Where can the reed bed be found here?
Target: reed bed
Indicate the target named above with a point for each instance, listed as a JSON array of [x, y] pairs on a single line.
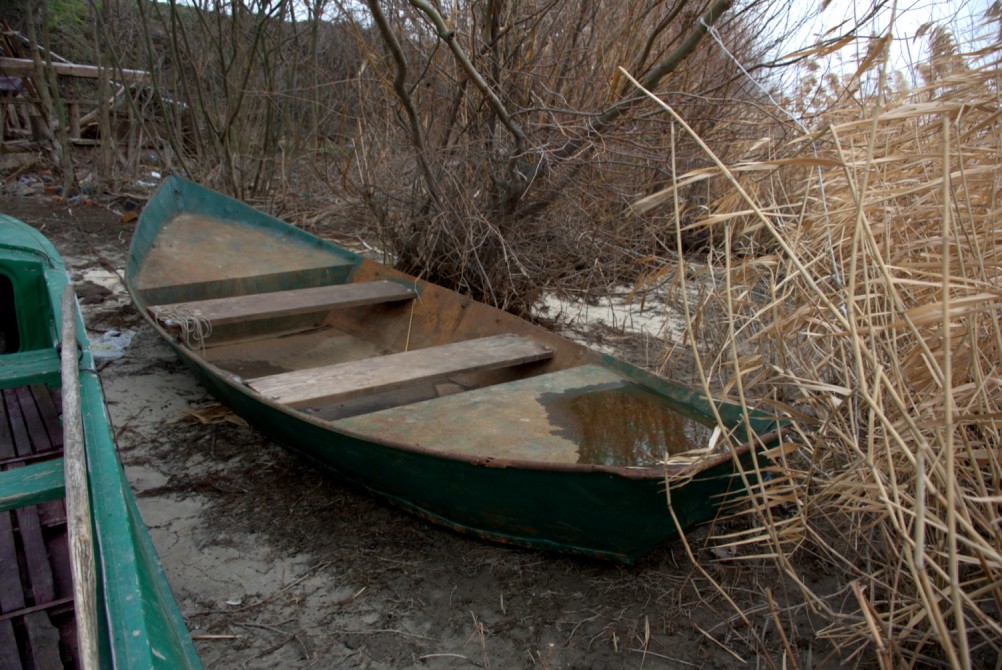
[[860, 293]]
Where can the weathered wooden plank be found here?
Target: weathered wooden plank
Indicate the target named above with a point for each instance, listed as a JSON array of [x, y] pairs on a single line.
[[31, 484], [36, 555], [7, 450], [11, 593], [17, 66], [10, 659], [78, 517], [34, 424], [49, 412], [219, 311], [44, 640], [326, 384], [18, 429]]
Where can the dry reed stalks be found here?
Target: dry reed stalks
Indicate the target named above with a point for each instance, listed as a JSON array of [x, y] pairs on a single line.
[[861, 294]]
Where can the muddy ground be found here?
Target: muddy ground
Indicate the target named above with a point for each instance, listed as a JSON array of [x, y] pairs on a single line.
[[275, 565]]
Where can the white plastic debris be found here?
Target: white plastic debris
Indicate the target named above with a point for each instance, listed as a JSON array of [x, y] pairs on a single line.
[[111, 345]]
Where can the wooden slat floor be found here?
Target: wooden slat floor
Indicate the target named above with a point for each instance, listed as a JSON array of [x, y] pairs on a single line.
[[36, 604]]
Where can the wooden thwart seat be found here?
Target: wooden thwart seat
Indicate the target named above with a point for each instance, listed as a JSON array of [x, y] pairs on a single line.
[[219, 311], [29, 367], [31, 484], [315, 386]]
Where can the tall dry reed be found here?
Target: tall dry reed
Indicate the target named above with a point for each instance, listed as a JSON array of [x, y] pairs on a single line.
[[861, 293]]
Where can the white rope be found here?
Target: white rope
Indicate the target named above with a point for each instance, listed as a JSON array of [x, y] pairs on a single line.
[[194, 327]]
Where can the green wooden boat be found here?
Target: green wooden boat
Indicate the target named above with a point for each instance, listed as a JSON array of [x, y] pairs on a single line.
[[80, 582], [451, 409]]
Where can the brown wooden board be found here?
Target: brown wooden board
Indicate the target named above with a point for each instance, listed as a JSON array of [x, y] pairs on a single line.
[[47, 402], [36, 555], [10, 659], [18, 431], [34, 423], [31, 436], [7, 451], [11, 593], [44, 639], [30, 426], [219, 311], [372, 375]]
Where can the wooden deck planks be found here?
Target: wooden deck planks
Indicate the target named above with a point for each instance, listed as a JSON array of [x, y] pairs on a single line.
[[331, 383], [220, 311], [49, 413], [7, 451], [11, 593], [44, 640], [40, 438], [10, 659], [39, 572], [32, 537], [18, 428]]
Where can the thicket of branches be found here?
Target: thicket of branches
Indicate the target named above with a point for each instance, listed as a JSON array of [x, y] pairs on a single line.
[[493, 144], [517, 134]]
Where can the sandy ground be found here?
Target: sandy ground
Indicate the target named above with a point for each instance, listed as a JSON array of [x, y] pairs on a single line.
[[275, 565]]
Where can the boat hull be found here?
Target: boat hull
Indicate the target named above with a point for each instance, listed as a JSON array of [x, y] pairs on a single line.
[[139, 624], [496, 453], [598, 513]]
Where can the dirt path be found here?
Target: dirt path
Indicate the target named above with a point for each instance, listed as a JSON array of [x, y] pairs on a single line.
[[275, 565]]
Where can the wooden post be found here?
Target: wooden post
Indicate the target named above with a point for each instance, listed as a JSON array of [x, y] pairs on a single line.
[[78, 518]]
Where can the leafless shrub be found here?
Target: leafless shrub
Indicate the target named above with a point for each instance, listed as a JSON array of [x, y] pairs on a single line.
[[518, 143]]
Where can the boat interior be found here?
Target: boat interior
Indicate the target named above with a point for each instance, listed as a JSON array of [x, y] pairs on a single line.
[[373, 351], [37, 621]]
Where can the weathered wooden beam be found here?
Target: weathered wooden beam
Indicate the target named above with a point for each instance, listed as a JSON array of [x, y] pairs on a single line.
[[78, 518], [219, 311], [21, 66], [368, 376]]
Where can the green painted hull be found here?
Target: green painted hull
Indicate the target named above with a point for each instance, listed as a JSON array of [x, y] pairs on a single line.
[[139, 623], [474, 461]]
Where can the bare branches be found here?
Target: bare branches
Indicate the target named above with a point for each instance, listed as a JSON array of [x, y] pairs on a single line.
[[449, 36], [649, 80], [400, 88], [545, 74]]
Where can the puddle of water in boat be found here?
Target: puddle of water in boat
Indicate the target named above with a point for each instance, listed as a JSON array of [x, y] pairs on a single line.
[[623, 424]]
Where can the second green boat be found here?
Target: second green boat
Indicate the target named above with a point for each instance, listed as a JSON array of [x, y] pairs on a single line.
[[449, 408], [81, 585]]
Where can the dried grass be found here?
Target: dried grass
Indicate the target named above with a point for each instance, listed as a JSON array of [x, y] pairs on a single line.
[[861, 294]]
